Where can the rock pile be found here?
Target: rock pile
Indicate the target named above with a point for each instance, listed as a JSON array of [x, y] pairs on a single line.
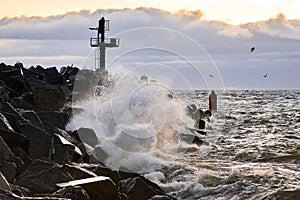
[[39, 159]]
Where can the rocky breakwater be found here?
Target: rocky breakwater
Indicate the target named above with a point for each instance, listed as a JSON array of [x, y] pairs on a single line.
[[39, 159]]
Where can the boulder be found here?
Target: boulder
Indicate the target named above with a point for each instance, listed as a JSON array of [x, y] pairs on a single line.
[[16, 82], [161, 197], [64, 151], [73, 192], [49, 99], [40, 142], [78, 172], [52, 76], [19, 102], [4, 95], [13, 139], [53, 119], [7, 195], [33, 118], [87, 136], [139, 188], [98, 188], [101, 170], [4, 185], [9, 169], [42, 177]]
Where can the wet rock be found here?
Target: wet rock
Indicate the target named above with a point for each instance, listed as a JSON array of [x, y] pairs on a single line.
[[283, 194], [4, 185], [101, 170], [20, 153], [41, 177], [78, 172], [98, 188], [9, 170], [74, 193], [161, 197], [87, 136], [87, 153], [40, 142], [7, 195], [139, 188], [63, 150]]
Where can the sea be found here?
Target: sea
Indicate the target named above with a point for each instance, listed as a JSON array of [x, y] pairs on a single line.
[[251, 149]]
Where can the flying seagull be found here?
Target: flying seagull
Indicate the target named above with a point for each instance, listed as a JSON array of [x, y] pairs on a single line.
[[265, 75], [252, 49]]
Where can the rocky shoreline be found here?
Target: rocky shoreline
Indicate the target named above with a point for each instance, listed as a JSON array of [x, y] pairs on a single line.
[[39, 158]]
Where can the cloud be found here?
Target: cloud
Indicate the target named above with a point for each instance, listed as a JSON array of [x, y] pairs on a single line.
[[64, 39], [235, 32], [279, 27]]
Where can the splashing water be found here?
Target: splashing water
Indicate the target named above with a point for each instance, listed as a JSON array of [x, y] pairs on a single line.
[[137, 124]]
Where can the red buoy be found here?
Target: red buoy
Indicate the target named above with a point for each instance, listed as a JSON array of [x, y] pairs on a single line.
[[213, 101]]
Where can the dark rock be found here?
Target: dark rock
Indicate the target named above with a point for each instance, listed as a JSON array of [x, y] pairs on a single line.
[[13, 139], [33, 118], [20, 191], [139, 188], [7, 195], [99, 154], [283, 194], [4, 151], [4, 124], [197, 141], [52, 76], [20, 153], [201, 124], [12, 72], [65, 135], [9, 169], [73, 192], [41, 177], [78, 172], [19, 102], [100, 170], [64, 151], [16, 83], [87, 136], [4, 95], [53, 119], [161, 197], [46, 99], [4, 185], [40, 142], [8, 108], [87, 153], [98, 188]]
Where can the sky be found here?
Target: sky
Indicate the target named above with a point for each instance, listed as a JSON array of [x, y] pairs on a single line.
[[194, 43]]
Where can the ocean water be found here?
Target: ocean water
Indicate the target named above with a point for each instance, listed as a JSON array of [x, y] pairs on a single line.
[[252, 149]]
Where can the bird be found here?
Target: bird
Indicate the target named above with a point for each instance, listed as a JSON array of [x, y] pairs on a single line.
[[252, 49], [211, 75], [265, 75]]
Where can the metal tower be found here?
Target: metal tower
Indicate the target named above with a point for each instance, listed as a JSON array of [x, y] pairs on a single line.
[[102, 43]]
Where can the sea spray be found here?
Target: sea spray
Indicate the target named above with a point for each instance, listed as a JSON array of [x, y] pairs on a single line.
[[136, 122]]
